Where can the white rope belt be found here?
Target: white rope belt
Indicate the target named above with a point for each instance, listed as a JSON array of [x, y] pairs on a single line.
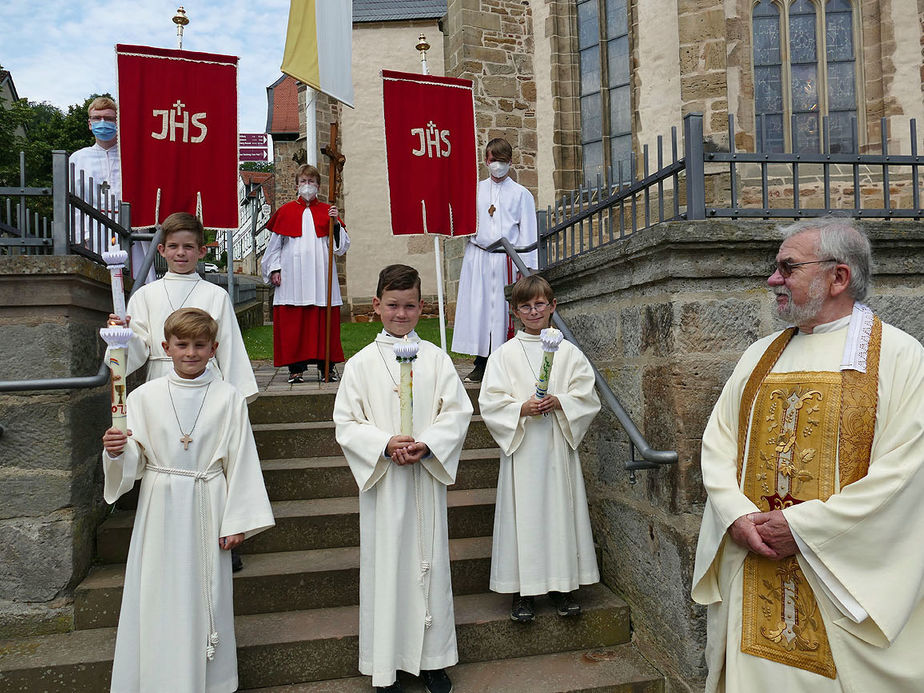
[[204, 542]]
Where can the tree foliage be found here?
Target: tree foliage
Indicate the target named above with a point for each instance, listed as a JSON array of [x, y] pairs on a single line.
[[37, 129], [264, 166]]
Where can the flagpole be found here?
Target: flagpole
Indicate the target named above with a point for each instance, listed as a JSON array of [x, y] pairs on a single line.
[[311, 127], [423, 47]]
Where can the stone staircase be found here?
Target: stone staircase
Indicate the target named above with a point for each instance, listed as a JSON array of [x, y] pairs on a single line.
[[296, 599]]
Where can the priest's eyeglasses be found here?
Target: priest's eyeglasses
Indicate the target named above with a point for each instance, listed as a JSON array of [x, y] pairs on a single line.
[[539, 307], [785, 267]]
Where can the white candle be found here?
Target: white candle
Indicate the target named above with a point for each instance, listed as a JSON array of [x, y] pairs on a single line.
[[115, 259], [117, 338], [551, 339], [405, 353]]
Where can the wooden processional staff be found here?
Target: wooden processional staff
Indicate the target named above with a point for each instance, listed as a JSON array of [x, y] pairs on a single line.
[[336, 160]]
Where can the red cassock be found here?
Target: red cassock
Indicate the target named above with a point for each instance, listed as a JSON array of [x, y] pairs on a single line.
[[299, 312]]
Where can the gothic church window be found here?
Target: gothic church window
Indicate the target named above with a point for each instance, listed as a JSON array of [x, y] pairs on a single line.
[[804, 69], [606, 105]]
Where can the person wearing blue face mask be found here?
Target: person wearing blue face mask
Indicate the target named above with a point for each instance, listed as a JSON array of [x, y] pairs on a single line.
[[101, 162]]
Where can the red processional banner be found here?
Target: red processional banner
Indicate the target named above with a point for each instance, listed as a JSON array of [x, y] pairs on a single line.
[[178, 134], [430, 148]]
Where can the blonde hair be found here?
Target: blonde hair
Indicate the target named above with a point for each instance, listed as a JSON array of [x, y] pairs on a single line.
[[190, 323], [308, 170], [184, 221], [101, 103]]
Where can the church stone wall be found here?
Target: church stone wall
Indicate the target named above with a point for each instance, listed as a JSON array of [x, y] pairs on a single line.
[[665, 315], [51, 501]]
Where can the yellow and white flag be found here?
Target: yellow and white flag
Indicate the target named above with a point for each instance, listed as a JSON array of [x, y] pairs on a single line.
[[319, 46]]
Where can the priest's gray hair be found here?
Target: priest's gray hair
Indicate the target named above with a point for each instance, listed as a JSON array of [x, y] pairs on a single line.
[[841, 239]]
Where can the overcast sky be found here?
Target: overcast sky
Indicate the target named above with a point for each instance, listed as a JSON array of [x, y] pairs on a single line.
[[61, 51]]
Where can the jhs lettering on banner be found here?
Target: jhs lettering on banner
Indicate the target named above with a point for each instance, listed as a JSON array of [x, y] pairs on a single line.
[[177, 119]]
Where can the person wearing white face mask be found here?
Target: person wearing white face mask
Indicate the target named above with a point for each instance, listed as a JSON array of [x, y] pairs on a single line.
[[295, 262], [102, 163], [505, 210]]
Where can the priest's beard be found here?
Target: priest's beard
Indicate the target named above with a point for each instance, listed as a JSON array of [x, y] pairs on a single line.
[[799, 315]]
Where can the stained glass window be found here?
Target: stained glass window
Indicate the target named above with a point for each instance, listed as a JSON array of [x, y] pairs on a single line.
[[819, 78], [606, 105]]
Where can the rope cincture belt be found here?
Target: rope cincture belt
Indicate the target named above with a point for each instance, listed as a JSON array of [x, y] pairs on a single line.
[[204, 542]]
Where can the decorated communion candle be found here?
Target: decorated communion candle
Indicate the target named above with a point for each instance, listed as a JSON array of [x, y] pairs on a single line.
[[405, 353], [550, 338]]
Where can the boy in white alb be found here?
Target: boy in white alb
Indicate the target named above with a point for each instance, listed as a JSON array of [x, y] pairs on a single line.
[[406, 618], [202, 493], [542, 537], [182, 247]]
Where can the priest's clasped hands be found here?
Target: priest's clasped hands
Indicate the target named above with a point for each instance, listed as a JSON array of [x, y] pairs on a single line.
[[536, 407], [766, 534], [405, 450]]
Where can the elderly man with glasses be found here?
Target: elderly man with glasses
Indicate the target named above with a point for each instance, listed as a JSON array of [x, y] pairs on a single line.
[[809, 555]]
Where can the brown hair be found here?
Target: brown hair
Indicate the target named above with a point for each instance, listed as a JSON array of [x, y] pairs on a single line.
[[308, 170], [398, 278], [101, 103], [500, 149], [528, 288], [190, 323], [184, 221]]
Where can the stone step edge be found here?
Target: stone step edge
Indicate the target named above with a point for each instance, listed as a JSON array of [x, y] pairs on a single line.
[[616, 668], [112, 575], [96, 645], [333, 461]]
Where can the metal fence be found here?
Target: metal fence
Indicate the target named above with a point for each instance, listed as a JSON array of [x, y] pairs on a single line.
[[731, 184], [85, 218]]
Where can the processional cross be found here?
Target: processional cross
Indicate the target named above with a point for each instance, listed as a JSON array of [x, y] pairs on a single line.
[[336, 160]]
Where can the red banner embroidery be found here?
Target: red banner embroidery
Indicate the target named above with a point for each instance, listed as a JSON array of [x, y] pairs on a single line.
[[178, 134], [430, 147]]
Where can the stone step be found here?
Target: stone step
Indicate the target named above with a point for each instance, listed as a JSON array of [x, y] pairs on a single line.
[[290, 440], [279, 649], [283, 581], [302, 478], [320, 523], [616, 669], [309, 404]]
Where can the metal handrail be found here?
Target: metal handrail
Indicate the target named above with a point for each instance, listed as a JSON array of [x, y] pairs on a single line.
[[651, 458], [81, 382]]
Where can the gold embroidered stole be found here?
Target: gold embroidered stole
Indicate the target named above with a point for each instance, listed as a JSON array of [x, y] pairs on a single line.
[[804, 426]]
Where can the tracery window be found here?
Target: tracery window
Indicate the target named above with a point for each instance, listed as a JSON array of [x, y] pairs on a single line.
[[794, 89], [606, 105]]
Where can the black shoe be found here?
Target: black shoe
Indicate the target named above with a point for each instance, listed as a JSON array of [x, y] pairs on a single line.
[[436, 681], [476, 376], [396, 687], [334, 375], [295, 378], [565, 604], [236, 563], [522, 609]]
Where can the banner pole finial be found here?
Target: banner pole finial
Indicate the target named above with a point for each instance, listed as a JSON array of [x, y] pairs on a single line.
[[181, 20]]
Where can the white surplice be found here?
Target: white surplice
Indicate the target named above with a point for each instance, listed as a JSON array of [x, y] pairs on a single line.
[[153, 303], [867, 536], [542, 535], [402, 509], [302, 265], [481, 309], [177, 580]]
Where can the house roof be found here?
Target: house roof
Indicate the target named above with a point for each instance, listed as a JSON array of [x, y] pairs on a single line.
[[282, 106], [394, 10], [265, 180]]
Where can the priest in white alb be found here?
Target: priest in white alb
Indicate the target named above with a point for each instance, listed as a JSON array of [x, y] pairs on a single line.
[[202, 493], [542, 536], [406, 618], [505, 210], [809, 554]]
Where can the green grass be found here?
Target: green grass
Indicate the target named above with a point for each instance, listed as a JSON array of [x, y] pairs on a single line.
[[353, 335]]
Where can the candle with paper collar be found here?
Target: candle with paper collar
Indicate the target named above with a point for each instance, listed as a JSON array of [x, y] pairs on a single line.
[[117, 338], [550, 338], [115, 259], [405, 353]]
